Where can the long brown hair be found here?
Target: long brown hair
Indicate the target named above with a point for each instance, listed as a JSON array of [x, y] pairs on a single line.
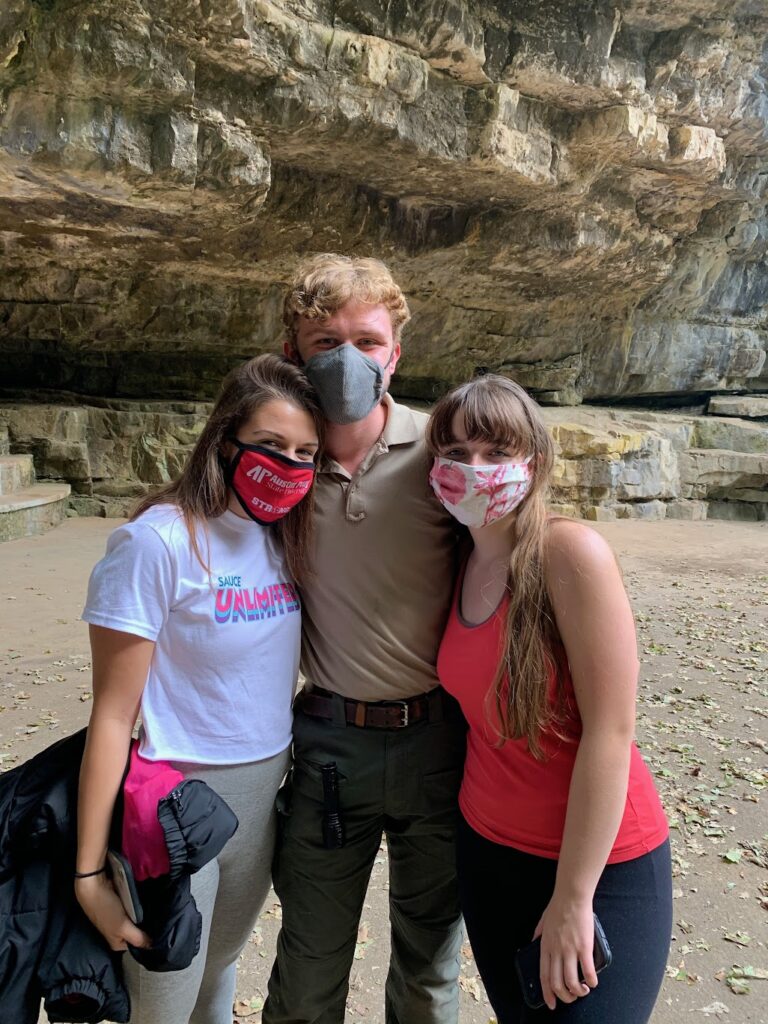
[[498, 410], [201, 491]]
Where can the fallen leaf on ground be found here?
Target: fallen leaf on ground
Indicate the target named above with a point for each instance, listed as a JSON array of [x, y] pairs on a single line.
[[756, 973], [248, 1007], [738, 986], [472, 987], [363, 941]]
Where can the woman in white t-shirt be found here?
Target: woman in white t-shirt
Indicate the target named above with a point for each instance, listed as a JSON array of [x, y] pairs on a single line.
[[195, 623]]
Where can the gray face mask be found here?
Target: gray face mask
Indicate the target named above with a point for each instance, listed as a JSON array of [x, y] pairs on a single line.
[[348, 383]]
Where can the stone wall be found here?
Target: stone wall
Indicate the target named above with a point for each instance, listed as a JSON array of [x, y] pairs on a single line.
[[110, 454], [610, 463], [572, 193]]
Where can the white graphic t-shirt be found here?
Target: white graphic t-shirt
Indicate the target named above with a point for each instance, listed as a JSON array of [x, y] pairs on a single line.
[[226, 656]]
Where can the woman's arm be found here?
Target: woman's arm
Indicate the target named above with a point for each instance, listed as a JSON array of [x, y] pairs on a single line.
[[120, 666], [595, 622]]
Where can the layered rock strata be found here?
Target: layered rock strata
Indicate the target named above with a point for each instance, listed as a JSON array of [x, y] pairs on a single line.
[[573, 194], [610, 463]]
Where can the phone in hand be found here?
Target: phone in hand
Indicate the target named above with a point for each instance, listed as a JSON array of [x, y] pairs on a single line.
[[124, 884], [527, 962]]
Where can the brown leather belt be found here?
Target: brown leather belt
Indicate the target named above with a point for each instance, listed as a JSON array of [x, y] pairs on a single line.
[[367, 714]]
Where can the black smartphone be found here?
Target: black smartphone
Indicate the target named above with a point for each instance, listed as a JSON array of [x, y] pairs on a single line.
[[124, 883], [528, 958]]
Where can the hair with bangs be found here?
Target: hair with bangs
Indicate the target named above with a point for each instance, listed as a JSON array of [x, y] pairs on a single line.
[[489, 415], [324, 283], [498, 410], [201, 491]]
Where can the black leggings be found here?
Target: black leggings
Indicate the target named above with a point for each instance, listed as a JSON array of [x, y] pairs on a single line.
[[503, 894]]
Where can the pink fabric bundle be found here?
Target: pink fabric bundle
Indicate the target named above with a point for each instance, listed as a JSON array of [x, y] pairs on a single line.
[[143, 839]]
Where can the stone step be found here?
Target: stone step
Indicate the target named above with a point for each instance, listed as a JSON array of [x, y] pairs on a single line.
[[4, 442], [29, 512], [17, 473]]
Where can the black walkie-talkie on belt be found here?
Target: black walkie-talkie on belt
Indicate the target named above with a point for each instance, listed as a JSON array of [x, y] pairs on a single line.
[[333, 827]]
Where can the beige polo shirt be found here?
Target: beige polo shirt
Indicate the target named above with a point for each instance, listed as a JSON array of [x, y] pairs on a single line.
[[374, 615]]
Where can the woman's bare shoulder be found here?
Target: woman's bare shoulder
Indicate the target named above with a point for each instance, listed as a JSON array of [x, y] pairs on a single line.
[[571, 546]]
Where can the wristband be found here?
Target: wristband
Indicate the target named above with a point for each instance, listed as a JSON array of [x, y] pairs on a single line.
[[90, 874]]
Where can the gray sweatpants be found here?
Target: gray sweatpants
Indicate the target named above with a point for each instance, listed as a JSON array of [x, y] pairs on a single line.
[[229, 892]]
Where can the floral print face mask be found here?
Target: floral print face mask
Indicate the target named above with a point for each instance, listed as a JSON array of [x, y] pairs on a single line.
[[479, 495]]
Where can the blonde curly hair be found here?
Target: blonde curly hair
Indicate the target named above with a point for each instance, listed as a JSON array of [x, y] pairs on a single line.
[[324, 283]]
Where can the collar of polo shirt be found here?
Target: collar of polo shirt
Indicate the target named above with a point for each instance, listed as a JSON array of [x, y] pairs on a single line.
[[401, 428]]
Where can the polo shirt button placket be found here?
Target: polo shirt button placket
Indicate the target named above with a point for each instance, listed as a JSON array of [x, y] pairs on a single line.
[[354, 512]]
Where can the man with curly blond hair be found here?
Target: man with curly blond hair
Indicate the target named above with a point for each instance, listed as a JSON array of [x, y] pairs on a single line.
[[378, 746]]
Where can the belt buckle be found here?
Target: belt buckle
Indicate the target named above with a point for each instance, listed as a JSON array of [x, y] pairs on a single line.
[[403, 705]]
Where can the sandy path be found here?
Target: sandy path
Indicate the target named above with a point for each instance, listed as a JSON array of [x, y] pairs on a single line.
[[700, 592]]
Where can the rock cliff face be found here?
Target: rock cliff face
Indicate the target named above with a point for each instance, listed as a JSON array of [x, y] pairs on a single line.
[[610, 463], [573, 193]]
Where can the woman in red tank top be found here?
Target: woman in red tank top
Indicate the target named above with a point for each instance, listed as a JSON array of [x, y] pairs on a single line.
[[560, 818]]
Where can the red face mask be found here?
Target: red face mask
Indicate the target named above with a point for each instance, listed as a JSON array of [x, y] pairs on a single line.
[[266, 483]]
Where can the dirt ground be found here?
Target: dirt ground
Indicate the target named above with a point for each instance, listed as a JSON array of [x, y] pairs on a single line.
[[700, 592]]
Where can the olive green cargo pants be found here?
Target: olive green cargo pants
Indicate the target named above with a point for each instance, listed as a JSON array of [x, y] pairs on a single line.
[[399, 782]]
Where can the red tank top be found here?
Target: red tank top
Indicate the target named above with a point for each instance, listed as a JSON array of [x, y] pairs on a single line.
[[507, 795]]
